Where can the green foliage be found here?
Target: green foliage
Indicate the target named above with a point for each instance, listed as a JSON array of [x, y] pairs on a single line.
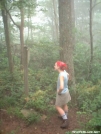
[[36, 101], [15, 111], [89, 100], [24, 3], [33, 118], [96, 67], [42, 88], [43, 54], [7, 101], [89, 96], [68, 132], [82, 61], [43, 79], [40, 101], [10, 88], [3, 57], [95, 122]]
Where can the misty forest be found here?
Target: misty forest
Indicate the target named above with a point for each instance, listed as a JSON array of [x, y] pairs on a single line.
[[34, 34]]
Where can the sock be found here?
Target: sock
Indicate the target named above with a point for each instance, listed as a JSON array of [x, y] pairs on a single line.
[[66, 112], [64, 117]]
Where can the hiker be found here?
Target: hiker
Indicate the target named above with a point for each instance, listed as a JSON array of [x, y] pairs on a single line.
[[62, 96]]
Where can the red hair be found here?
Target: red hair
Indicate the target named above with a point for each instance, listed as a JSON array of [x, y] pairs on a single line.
[[61, 65]]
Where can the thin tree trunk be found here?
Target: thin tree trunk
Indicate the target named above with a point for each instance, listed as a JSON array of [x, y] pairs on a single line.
[[91, 41], [31, 29], [26, 71], [22, 36], [52, 25], [56, 19], [7, 38], [28, 23]]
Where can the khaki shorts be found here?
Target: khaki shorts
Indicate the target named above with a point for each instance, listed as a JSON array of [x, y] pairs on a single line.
[[62, 99]]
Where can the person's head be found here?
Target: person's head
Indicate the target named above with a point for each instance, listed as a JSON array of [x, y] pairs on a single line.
[[59, 65]]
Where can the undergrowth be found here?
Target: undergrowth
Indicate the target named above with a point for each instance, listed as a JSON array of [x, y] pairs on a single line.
[[41, 98], [89, 102]]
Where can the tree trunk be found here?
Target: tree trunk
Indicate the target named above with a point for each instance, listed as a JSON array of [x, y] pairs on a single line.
[[21, 29], [91, 41], [66, 28], [7, 38], [51, 24], [26, 71], [22, 36], [56, 22]]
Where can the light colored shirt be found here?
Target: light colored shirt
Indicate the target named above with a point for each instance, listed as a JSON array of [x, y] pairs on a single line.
[[66, 76]]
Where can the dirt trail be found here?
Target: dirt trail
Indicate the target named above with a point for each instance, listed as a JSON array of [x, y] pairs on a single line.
[[12, 125]]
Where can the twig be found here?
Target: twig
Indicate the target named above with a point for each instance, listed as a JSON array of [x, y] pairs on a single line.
[[11, 18], [96, 5]]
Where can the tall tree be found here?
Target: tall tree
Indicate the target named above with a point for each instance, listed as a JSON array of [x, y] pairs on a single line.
[[21, 7], [66, 34], [7, 34], [92, 4], [20, 27], [91, 39], [56, 22]]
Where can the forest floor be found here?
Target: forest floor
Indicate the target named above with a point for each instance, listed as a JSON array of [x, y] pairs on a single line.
[[12, 125]]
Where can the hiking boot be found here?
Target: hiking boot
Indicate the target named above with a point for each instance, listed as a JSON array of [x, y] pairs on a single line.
[[65, 124]]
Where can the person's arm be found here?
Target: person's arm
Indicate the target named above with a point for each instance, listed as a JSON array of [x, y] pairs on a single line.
[[61, 85]]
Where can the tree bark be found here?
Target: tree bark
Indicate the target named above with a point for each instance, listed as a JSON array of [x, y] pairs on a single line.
[[66, 41], [7, 38], [26, 89], [56, 21], [22, 36], [21, 29], [91, 40]]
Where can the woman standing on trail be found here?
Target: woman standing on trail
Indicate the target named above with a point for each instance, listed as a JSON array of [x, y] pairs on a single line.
[[62, 96]]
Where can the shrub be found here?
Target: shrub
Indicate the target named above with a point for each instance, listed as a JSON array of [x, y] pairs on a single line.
[[33, 118], [10, 88], [15, 111], [89, 100], [39, 101], [43, 79], [95, 122]]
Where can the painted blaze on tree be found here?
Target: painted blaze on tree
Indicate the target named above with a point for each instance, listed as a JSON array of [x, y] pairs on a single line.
[[66, 26]]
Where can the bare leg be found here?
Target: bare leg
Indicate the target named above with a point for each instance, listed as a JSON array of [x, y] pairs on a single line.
[[65, 108], [63, 115], [60, 110]]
